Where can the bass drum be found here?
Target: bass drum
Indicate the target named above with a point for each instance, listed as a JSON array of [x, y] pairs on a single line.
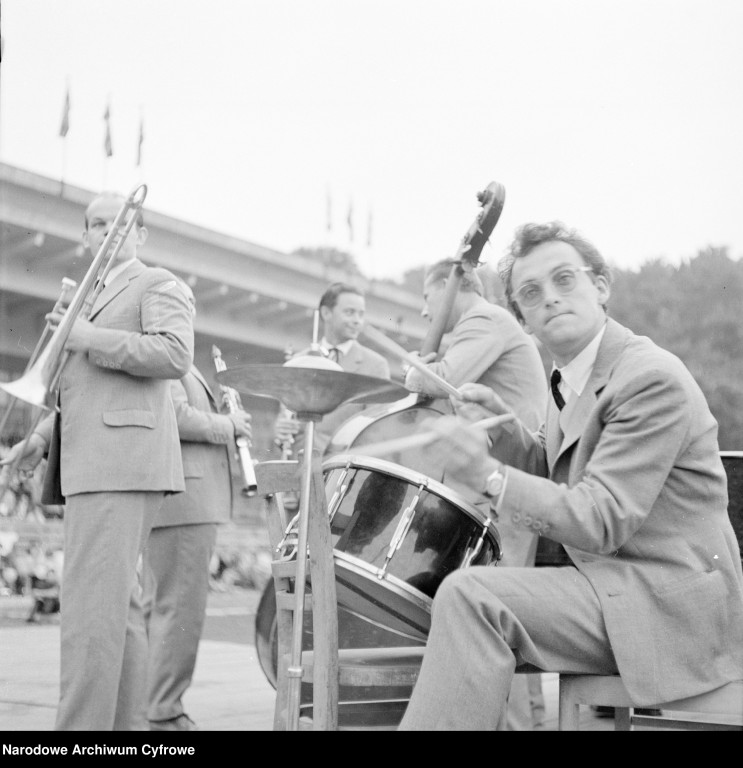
[[396, 534]]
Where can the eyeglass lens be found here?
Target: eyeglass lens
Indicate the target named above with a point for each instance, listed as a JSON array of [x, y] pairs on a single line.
[[563, 280]]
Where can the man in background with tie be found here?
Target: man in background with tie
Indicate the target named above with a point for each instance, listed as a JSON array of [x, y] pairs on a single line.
[[180, 545], [342, 311]]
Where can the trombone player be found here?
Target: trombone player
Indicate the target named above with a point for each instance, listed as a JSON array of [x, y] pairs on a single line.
[[113, 455]]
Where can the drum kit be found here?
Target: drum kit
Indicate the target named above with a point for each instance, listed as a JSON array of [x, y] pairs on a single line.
[[396, 529]]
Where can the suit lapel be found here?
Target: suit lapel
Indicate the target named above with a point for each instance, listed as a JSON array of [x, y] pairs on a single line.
[[572, 419], [197, 375], [116, 286], [553, 437], [353, 360]]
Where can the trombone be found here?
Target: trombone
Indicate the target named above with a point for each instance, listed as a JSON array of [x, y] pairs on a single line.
[[68, 287], [37, 386]]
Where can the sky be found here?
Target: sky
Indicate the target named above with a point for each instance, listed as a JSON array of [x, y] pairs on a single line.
[[270, 120]]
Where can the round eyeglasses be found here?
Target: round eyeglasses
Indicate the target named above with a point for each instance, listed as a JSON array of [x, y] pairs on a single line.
[[563, 279]]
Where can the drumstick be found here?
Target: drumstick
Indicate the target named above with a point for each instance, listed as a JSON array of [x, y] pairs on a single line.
[[413, 360], [385, 447]]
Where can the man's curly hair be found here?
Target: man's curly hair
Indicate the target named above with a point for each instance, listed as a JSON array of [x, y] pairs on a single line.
[[529, 236]]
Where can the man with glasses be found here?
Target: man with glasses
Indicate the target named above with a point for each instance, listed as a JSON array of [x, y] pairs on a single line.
[[626, 475]]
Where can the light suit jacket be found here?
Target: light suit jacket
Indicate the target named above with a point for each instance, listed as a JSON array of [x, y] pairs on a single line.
[[638, 498], [116, 428], [360, 360], [488, 346], [206, 437]]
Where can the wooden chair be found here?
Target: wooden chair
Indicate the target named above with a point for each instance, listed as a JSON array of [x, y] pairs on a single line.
[[326, 669], [721, 709]]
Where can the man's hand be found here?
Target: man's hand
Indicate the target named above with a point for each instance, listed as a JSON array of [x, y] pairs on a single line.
[[241, 421], [482, 396], [462, 449], [32, 453], [81, 333], [286, 428]]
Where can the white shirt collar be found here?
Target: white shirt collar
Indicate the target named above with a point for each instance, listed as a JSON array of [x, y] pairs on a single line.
[[115, 271], [576, 373], [344, 346]]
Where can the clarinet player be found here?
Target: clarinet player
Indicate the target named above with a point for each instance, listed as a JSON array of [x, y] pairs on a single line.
[[179, 549]]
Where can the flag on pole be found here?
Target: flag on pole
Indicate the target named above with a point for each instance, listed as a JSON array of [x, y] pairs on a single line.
[[369, 229], [64, 126], [140, 142], [349, 220], [328, 211], [107, 142]]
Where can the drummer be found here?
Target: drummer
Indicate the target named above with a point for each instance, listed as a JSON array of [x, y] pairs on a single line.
[[486, 345], [342, 311]]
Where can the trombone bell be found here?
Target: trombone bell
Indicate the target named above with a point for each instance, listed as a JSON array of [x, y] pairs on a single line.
[[30, 388]]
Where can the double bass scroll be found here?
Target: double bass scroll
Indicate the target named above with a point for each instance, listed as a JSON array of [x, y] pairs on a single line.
[[492, 199]]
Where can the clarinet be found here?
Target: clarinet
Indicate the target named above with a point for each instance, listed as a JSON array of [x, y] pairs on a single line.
[[286, 445], [232, 400]]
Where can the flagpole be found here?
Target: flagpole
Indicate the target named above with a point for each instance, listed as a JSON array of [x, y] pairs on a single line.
[[107, 144], [64, 128], [140, 142]]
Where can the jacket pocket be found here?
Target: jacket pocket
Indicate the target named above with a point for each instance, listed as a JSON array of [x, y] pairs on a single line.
[[690, 582], [130, 418], [193, 469]]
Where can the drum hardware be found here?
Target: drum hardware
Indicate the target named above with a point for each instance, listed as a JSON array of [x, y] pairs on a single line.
[[339, 492], [402, 530], [470, 556], [332, 504]]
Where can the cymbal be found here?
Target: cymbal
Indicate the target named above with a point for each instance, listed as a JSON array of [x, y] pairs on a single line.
[[310, 391]]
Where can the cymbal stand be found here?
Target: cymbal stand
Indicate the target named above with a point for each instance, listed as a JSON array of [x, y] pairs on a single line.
[[308, 501]]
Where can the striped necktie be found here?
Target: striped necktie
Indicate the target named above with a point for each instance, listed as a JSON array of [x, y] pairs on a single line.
[[554, 382]]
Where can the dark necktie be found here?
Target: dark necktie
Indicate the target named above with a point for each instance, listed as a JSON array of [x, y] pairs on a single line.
[[334, 354], [554, 381]]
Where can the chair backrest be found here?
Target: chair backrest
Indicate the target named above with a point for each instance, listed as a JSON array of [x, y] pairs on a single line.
[[733, 463], [273, 479]]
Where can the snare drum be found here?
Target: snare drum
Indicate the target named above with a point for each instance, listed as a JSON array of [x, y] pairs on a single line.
[[396, 534]]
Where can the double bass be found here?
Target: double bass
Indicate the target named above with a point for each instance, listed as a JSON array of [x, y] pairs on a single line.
[[406, 416]]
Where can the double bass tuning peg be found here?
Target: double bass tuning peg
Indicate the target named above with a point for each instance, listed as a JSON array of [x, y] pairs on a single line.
[[484, 196]]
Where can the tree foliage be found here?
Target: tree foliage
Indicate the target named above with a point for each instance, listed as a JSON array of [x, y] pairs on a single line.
[[693, 310]]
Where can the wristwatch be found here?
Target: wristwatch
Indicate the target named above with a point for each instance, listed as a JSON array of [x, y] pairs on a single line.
[[495, 482]]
